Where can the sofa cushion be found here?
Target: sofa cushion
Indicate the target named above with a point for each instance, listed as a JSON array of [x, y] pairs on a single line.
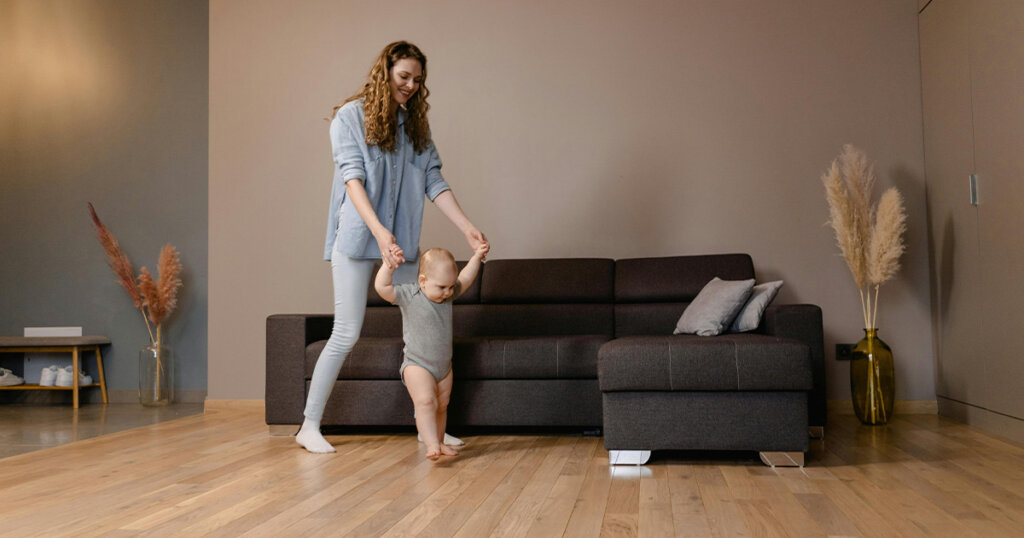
[[567, 280], [559, 357], [554, 357], [738, 362], [714, 308], [647, 318], [370, 358], [675, 279], [749, 317], [532, 319]]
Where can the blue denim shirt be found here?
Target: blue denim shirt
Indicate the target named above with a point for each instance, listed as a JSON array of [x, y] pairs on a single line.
[[395, 183]]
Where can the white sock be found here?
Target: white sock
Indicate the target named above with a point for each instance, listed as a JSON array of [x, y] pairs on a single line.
[[311, 439]]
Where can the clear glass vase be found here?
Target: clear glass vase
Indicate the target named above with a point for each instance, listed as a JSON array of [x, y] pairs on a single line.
[[156, 375], [872, 381]]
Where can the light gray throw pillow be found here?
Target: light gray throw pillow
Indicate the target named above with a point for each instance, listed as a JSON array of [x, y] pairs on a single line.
[[715, 306], [749, 317]]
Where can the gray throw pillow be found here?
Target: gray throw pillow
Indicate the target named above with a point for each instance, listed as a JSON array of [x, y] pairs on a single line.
[[750, 315], [714, 308]]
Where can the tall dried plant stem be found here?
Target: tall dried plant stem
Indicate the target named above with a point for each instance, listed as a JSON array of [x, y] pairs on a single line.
[[149, 329], [874, 318], [865, 307], [159, 365]]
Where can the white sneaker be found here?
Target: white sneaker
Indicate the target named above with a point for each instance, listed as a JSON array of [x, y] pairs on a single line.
[[64, 378], [8, 379], [48, 376]]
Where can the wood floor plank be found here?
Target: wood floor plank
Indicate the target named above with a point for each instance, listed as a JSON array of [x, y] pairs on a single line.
[[781, 502], [689, 518], [723, 514], [522, 513], [221, 474], [655, 507], [468, 465], [455, 515], [588, 510], [490, 512], [556, 510], [621, 514]]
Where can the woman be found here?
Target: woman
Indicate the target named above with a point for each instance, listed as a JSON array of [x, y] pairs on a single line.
[[385, 162]]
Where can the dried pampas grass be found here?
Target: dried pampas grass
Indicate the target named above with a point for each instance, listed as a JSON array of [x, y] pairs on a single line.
[[119, 262], [161, 296], [155, 299], [887, 238], [870, 238], [170, 277]]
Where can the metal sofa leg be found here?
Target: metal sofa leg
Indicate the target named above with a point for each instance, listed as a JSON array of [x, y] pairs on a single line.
[[282, 430], [783, 459], [628, 457], [816, 432]]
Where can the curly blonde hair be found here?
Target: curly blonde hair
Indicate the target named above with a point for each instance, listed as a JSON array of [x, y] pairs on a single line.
[[379, 124]]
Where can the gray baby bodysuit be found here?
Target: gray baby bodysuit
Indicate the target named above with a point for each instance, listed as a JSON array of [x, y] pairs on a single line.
[[426, 329]]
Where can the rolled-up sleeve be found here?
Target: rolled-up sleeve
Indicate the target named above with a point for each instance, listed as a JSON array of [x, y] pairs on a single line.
[[346, 146], [435, 181]]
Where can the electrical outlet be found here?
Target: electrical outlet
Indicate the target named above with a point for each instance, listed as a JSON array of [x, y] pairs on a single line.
[[844, 352]]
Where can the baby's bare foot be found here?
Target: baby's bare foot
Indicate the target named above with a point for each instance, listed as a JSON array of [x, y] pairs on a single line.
[[449, 451], [433, 453]]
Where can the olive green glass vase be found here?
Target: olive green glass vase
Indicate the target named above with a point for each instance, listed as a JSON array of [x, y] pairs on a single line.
[[872, 382]]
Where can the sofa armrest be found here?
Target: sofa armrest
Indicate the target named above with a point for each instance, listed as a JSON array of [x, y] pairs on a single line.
[[803, 322], [287, 338]]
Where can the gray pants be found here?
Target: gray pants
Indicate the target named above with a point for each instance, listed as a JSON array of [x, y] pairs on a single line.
[[352, 279]]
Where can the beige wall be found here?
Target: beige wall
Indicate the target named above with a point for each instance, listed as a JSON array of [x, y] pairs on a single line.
[[575, 128]]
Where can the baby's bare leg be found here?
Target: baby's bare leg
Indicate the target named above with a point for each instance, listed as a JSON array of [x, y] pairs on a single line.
[[444, 392], [423, 391]]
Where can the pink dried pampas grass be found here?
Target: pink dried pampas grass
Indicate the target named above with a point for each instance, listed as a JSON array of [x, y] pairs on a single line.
[[869, 237], [155, 299]]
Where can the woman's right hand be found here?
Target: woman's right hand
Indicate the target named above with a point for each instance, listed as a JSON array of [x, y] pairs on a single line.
[[390, 253]]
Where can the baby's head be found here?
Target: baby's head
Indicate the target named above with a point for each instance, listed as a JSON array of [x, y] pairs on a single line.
[[438, 274]]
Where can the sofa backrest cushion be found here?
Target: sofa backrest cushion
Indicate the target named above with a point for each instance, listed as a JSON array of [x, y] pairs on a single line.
[[676, 279], [505, 320], [532, 320], [551, 281], [470, 296], [647, 318]]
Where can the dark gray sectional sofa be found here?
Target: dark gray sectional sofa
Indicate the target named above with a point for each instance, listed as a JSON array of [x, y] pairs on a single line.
[[581, 343]]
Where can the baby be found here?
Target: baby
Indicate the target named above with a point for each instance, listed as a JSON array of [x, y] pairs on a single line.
[[427, 330]]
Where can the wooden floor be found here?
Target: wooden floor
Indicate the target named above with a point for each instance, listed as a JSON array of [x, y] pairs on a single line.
[[221, 474], [27, 428]]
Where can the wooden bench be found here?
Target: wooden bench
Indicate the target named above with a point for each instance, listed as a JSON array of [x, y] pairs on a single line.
[[59, 344]]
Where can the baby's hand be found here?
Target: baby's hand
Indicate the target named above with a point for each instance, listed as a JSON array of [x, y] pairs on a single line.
[[482, 250]]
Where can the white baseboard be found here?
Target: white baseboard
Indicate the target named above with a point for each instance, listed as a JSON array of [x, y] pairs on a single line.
[[903, 407]]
